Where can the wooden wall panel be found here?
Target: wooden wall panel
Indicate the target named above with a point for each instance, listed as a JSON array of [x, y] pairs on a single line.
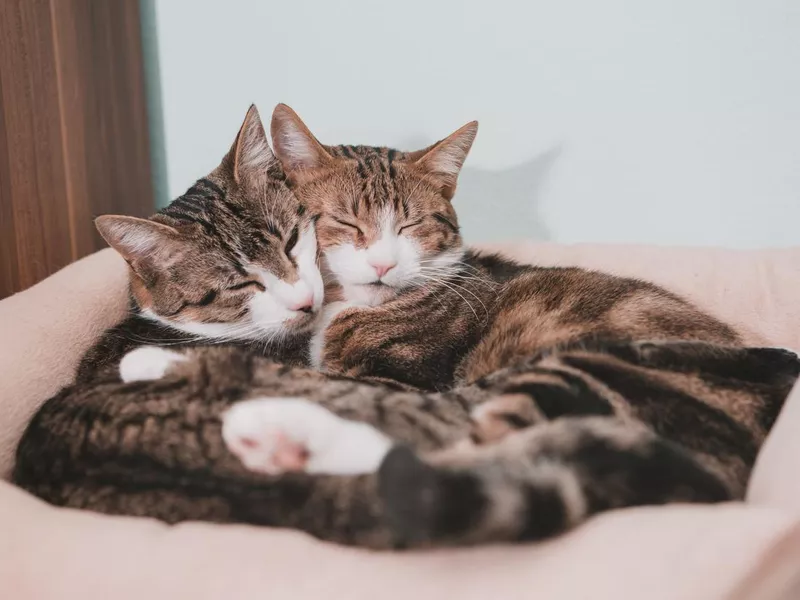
[[35, 195], [73, 130]]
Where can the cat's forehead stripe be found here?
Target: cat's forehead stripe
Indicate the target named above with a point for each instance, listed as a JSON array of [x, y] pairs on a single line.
[[376, 172]]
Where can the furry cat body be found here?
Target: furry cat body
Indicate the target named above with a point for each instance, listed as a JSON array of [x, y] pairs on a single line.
[[569, 412], [157, 448], [387, 229], [496, 312]]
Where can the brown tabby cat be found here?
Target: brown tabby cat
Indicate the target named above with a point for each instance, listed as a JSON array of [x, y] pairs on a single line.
[[607, 421], [232, 260]]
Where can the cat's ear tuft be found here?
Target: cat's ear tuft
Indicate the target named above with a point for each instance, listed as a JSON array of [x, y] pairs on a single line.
[[144, 244], [444, 159], [296, 147], [251, 153]]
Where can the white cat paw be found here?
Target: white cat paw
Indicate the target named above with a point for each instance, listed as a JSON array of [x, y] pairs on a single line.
[[147, 363], [278, 435]]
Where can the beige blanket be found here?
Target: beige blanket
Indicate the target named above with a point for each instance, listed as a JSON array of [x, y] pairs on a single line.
[[744, 550]]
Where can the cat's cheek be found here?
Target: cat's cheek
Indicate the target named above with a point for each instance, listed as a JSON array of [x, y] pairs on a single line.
[[409, 267], [267, 314], [365, 295], [195, 328], [307, 269], [349, 264], [442, 261]]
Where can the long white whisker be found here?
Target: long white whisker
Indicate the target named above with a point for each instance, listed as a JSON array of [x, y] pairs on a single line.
[[465, 278], [458, 264], [461, 287], [455, 291]]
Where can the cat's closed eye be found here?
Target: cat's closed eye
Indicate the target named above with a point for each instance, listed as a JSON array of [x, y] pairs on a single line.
[[350, 225], [445, 221], [292, 241], [407, 226], [246, 284], [207, 299]]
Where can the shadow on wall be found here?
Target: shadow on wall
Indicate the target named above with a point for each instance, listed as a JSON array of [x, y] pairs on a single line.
[[496, 206]]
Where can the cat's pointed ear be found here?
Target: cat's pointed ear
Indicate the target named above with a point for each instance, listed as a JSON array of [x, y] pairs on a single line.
[[251, 155], [145, 245], [295, 145], [444, 159]]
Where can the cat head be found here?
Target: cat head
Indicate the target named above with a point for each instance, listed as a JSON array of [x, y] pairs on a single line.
[[385, 218], [235, 257]]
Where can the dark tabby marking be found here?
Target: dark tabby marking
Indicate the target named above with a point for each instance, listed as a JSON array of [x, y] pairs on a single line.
[[154, 448], [538, 483]]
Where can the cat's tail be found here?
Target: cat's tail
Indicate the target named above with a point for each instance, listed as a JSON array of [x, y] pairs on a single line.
[[537, 483]]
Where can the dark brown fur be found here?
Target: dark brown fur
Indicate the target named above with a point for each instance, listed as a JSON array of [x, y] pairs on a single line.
[[154, 448]]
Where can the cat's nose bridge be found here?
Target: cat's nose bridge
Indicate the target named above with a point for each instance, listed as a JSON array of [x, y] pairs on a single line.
[[383, 252], [371, 236], [298, 296]]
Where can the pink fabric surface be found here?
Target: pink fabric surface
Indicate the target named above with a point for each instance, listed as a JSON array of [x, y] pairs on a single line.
[[653, 553], [45, 331], [670, 552], [776, 476]]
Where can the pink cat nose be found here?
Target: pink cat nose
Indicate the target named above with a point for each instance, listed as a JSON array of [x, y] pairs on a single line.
[[382, 269], [305, 305]]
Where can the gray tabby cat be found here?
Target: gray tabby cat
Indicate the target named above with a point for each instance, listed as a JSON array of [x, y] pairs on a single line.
[[561, 392]]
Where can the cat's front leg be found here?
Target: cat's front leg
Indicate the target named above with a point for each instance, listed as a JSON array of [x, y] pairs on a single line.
[[317, 347], [278, 435], [148, 363]]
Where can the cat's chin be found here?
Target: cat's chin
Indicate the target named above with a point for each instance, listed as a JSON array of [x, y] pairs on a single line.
[[251, 331], [368, 294], [290, 325], [302, 323]]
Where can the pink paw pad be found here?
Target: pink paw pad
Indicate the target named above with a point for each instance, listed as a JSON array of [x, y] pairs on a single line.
[[288, 455], [271, 452]]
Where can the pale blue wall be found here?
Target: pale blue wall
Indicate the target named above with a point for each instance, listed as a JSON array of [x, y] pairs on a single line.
[[664, 122]]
